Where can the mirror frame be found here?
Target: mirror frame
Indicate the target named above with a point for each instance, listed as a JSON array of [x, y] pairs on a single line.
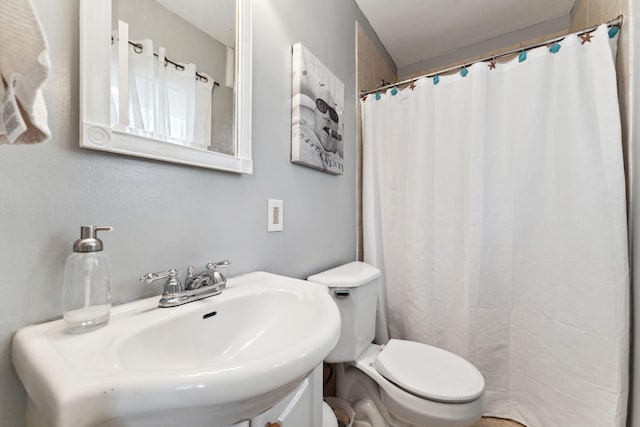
[[96, 132]]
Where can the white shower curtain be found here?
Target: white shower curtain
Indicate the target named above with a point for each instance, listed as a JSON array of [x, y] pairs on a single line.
[[494, 204]]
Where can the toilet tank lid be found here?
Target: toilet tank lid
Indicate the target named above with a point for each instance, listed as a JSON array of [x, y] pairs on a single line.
[[347, 276]]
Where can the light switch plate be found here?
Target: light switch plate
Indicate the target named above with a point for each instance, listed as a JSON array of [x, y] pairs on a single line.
[[275, 215]]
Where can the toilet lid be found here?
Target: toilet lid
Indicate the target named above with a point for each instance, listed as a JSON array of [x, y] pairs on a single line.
[[429, 372]]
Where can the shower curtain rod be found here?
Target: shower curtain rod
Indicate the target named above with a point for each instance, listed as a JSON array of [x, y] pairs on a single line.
[[614, 22], [138, 48]]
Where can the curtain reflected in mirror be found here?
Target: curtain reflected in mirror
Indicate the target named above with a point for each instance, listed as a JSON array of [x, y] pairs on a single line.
[[171, 80]]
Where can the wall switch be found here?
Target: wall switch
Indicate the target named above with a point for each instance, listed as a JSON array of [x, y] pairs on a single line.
[[274, 215]]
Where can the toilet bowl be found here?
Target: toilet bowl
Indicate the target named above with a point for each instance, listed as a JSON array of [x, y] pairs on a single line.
[[402, 383], [453, 399]]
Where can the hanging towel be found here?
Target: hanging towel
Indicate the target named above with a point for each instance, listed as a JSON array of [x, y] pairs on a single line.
[[24, 67]]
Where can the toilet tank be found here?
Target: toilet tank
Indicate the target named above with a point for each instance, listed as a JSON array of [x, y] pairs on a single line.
[[354, 288]]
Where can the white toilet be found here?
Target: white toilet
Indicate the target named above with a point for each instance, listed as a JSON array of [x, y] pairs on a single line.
[[400, 384]]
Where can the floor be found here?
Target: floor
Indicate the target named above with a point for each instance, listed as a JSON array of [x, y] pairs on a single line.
[[496, 422]]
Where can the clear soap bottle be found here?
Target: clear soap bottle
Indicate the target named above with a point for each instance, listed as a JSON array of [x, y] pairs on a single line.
[[87, 283]]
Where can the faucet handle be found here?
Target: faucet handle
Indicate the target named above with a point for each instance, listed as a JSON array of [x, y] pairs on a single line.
[[172, 286], [152, 277], [191, 271], [218, 264]]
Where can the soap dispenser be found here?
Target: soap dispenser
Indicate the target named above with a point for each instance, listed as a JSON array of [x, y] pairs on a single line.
[[87, 283]]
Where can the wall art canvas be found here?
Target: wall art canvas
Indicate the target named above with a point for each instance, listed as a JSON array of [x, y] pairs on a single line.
[[317, 108]]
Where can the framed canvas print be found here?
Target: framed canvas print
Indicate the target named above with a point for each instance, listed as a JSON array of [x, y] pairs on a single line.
[[317, 108]]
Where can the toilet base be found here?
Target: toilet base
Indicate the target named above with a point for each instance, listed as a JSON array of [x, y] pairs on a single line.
[[367, 414]]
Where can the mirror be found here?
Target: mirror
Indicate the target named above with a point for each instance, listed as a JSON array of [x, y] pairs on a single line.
[[168, 80]]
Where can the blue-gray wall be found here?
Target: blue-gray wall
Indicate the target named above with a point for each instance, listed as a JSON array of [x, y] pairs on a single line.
[[167, 215]]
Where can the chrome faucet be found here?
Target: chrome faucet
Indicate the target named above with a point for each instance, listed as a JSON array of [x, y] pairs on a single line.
[[197, 285]]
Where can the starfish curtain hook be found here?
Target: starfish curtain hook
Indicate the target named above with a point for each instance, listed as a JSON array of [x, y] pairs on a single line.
[[586, 38]]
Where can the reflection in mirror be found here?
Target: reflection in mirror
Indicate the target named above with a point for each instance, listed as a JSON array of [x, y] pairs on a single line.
[[168, 80], [178, 69]]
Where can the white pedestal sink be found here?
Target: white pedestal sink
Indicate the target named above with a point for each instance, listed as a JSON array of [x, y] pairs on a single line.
[[212, 362]]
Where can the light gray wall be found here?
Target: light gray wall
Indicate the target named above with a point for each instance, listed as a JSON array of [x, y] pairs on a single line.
[[481, 48], [168, 215]]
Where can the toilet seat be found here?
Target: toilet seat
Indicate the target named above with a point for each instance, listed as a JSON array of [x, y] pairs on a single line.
[[408, 406], [429, 372]]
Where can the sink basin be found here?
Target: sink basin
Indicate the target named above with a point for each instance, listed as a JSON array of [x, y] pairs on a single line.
[[215, 361]]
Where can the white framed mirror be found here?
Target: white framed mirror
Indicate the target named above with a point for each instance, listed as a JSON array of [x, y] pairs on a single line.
[[117, 117]]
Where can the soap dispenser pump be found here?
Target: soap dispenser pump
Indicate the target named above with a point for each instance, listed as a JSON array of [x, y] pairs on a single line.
[[87, 283]]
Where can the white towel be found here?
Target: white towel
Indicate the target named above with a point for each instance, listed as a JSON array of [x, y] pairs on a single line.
[[24, 67]]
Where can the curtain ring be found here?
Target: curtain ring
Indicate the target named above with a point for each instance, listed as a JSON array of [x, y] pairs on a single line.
[[179, 67], [137, 47], [523, 54]]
